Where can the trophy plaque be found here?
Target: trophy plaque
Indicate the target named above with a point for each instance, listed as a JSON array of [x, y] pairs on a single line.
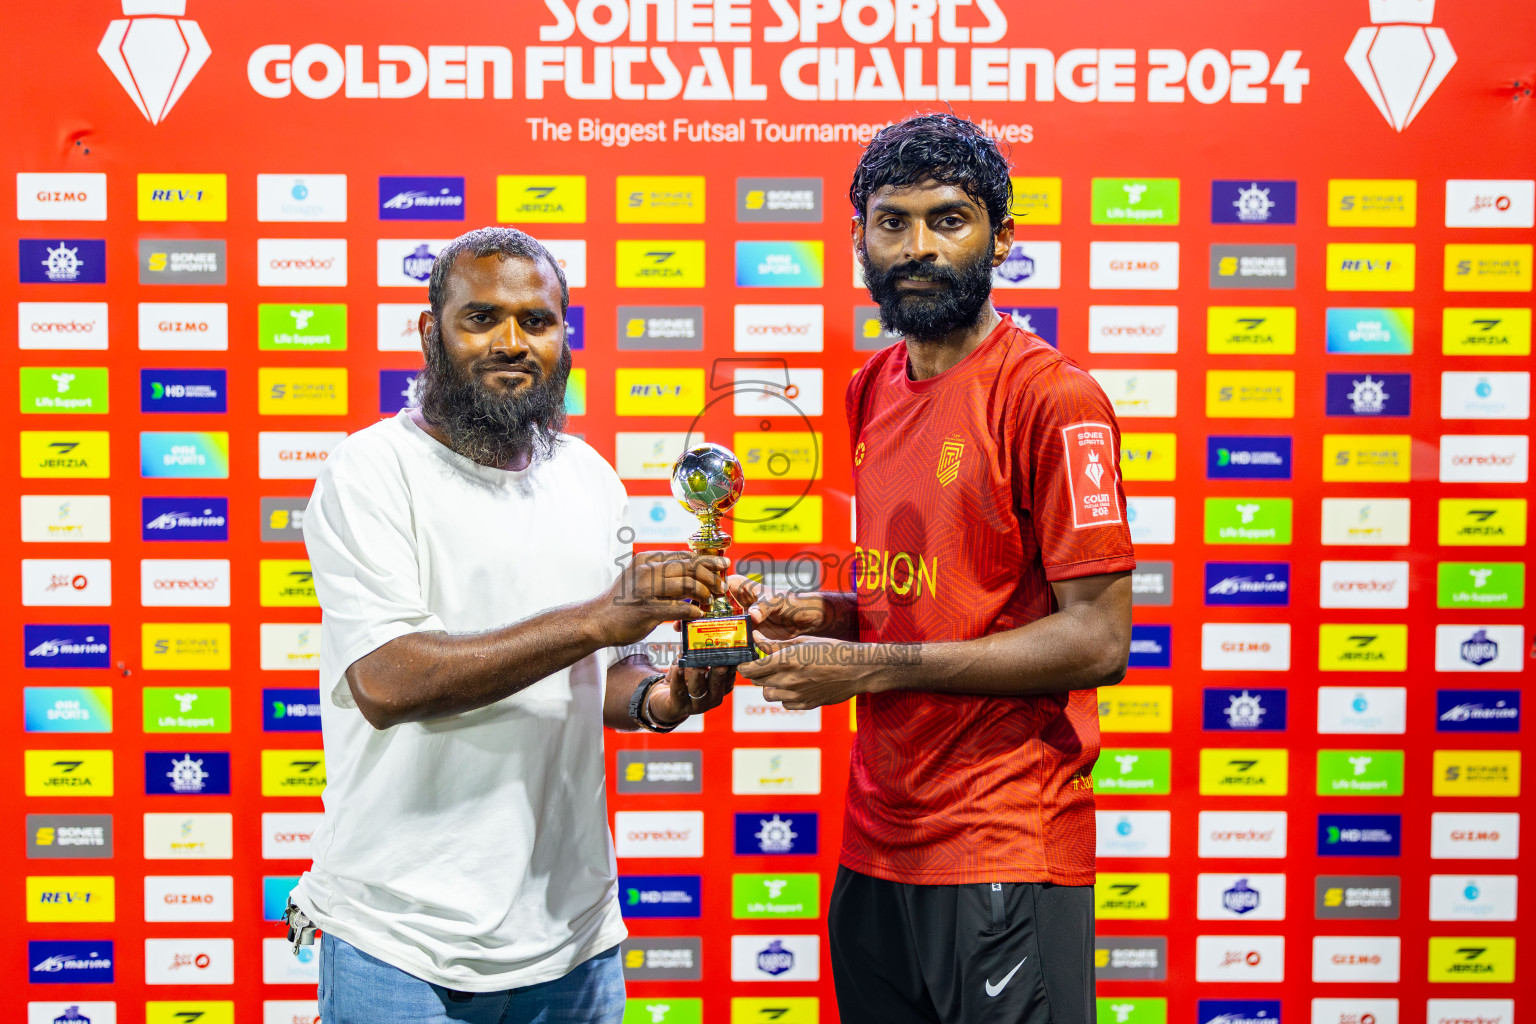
[[708, 480]]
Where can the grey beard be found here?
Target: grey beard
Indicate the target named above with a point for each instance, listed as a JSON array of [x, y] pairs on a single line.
[[492, 429]]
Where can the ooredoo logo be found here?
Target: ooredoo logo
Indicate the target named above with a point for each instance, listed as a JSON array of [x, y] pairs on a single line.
[[301, 262], [76, 326], [658, 833], [1133, 329], [779, 328], [154, 53], [1400, 58]]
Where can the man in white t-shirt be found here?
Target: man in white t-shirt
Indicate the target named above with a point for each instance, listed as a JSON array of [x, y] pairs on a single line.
[[476, 586]]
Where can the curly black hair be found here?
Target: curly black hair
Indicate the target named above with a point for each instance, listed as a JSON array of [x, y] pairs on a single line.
[[935, 147]]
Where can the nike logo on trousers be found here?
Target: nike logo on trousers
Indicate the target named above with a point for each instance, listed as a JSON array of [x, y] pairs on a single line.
[[993, 990]]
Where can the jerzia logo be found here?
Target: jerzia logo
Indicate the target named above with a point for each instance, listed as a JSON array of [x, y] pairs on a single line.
[[155, 53], [1400, 58]]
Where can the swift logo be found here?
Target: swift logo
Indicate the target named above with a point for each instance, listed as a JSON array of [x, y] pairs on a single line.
[[994, 990], [154, 53], [1400, 59]]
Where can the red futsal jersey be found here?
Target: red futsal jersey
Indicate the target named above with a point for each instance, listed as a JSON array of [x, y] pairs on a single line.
[[977, 488]]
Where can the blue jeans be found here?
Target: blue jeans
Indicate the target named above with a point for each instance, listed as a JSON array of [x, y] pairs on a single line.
[[356, 988]]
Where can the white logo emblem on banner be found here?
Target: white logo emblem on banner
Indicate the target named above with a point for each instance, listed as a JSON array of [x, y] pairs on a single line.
[[155, 53], [1400, 58]]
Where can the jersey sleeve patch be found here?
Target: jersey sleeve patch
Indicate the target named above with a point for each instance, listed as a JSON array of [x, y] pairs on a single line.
[[1093, 468]]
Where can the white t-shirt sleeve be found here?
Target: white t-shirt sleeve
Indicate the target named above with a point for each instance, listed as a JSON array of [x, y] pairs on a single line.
[[364, 559]]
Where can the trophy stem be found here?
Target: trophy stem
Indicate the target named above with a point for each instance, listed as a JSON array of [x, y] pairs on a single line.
[[711, 540]]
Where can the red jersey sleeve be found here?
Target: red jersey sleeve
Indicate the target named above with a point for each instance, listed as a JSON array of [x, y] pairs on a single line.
[[1069, 447]]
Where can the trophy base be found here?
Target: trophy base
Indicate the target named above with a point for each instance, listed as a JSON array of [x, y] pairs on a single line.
[[717, 640]]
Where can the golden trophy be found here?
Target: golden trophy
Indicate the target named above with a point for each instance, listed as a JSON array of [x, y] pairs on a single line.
[[708, 481]]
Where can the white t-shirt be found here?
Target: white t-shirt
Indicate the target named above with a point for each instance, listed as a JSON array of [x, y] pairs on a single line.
[[471, 851]]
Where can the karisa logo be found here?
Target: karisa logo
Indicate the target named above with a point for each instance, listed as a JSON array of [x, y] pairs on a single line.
[[154, 53], [1400, 58]]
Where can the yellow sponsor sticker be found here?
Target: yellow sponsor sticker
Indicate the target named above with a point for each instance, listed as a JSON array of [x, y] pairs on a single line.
[[185, 645], [779, 1010], [1367, 647], [55, 454], [1472, 958], [1370, 267], [1488, 268], [1131, 896], [1250, 394], [676, 263], [1148, 456], [1136, 709], [1228, 771], [1477, 773], [659, 199], [1036, 201], [1485, 332], [781, 455], [1372, 202], [1367, 457], [183, 1011], [541, 198], [1494, 522], [777, 519], [301, 391], [182, 197], [67, 772], [1248, 330], [80, 898], [287, 583], [292, 772], [653, 391]]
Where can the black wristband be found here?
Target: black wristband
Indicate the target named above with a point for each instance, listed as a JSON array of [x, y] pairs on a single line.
[[640, 713]]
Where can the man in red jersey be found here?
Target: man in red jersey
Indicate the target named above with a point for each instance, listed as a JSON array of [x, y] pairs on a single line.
[[991, 596]]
